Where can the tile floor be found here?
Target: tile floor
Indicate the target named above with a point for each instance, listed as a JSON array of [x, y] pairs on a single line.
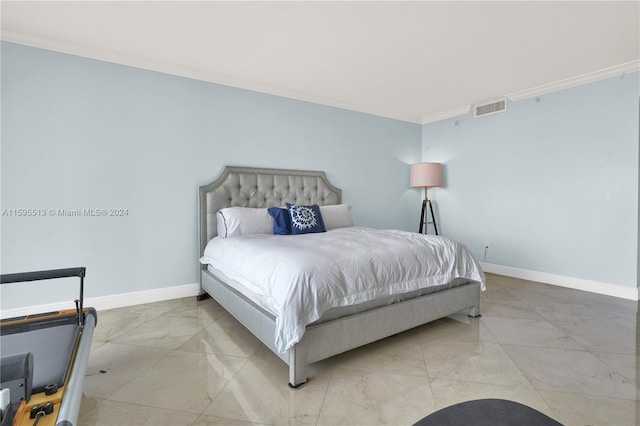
[[570, 354]]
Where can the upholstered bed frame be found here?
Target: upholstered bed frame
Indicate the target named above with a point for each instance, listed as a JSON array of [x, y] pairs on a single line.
[[256, 187]]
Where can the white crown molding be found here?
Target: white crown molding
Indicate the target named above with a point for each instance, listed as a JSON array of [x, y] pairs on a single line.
[[607, 289], [455, 112], [578, 80], [78, 49], [112, 301], [592, 77]]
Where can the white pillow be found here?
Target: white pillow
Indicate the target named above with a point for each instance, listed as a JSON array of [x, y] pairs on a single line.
[[242, 221], [336, 216]]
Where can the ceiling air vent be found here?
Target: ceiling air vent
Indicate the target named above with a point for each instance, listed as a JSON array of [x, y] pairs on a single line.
[[491, 108]]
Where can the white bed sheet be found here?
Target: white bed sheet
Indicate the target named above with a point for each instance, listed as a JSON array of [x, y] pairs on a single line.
[[299, 277], [339, 311]]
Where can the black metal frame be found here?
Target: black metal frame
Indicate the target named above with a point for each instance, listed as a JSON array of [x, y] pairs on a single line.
[[422, 219], [49, 275]]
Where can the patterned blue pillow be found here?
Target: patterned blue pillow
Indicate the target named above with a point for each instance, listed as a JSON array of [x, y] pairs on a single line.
[[281, 220], [305, 219]]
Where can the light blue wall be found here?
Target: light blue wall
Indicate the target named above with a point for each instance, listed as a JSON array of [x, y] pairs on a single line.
[[79, 133], [551, 184]]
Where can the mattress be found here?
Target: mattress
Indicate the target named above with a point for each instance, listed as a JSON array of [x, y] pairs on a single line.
[[301, 278]]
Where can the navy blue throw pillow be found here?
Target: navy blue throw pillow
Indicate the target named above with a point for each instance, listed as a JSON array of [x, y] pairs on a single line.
[[305, 219], [281, 220]]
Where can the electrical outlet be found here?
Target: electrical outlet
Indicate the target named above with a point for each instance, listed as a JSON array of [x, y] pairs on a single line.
[[486, 245]]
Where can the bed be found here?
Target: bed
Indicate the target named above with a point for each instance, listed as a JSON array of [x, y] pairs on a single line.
[[332, 329]]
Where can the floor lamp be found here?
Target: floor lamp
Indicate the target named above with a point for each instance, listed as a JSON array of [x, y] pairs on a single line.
[[426, 175]]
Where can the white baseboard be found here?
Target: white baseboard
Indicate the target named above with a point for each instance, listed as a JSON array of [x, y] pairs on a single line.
[[607, 289], [112, 301], [191, 290]]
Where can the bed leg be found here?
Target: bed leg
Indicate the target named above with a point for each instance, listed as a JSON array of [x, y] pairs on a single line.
[[474, 311], [202, 296], [297, 369]]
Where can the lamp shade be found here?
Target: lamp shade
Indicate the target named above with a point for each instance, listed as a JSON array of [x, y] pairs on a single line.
[[425, 175]]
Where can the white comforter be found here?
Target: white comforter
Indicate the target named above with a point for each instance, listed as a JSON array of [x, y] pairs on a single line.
[[302, 276]]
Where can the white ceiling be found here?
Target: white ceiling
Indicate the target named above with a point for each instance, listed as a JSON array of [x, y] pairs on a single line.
[[416, 61]]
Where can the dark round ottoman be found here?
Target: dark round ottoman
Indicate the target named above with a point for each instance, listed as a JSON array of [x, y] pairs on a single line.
[[487, 412]]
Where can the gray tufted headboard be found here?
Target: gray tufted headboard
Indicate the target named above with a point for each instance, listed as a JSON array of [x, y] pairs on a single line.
[[259, 188]]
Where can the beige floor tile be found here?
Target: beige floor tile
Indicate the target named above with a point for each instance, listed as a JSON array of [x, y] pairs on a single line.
[[113, 323], [117, 322], [226, 336], [520, 349], [112, 413], [538, 294], [146, 309], [166, 331], [207, 309], [498, 291], [576, 313], [602, 336], [597, 331], [457, 327], [481, 362], [627, 365], [572, 371], [120, 363], [528, 332], [258, 393], [514, 283], [580, 409], [367, 398], [181, 381], [95, 344], [158, 308], [608, 303], [399, 354], [508, 309]]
